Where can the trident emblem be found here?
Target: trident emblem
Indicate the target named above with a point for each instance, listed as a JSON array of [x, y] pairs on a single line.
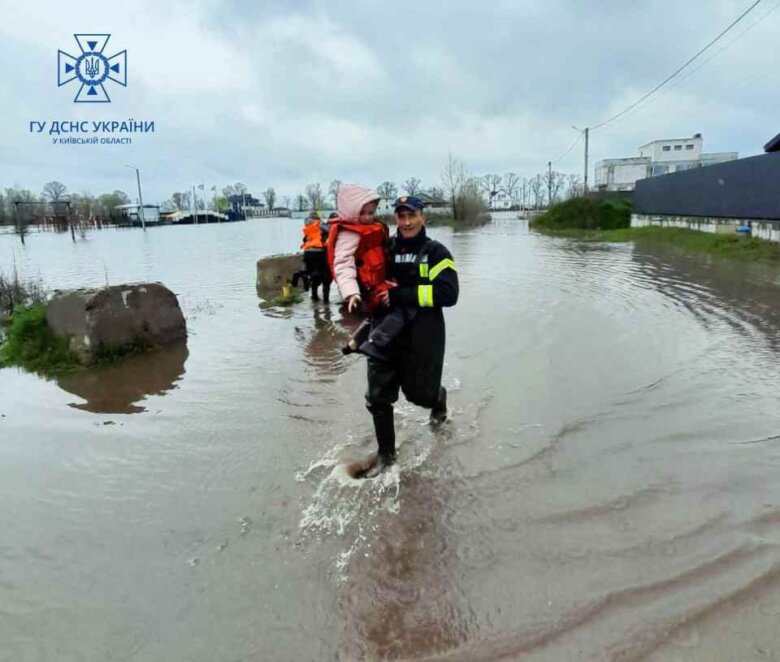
[[92, 68]]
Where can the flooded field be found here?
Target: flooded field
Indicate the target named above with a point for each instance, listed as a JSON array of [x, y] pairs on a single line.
[[607, 488]]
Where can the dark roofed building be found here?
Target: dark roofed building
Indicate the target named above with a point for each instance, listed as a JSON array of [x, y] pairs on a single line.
[[432, 201], [773, 145]]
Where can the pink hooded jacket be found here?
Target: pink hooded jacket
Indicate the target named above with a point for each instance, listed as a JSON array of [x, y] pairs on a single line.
[[350, 201]]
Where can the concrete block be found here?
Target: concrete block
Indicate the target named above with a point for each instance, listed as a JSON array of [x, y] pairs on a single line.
[[116, 318], [275, 271]]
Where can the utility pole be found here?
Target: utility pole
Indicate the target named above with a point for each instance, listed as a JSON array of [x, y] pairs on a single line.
[[585, 186], [194, 205], [140, 199], [549, 184], [586, 131]]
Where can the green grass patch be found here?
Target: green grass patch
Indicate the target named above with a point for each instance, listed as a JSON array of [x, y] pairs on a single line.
[[690, 241], [585, 214], [295, 296], [724, 245], [30, 344]]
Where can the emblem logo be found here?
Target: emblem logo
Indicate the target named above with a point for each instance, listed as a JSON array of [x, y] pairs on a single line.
[[92, 68]]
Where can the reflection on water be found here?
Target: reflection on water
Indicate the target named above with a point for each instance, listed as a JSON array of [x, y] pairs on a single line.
[[607, 487], [118, 388], [401, 599]]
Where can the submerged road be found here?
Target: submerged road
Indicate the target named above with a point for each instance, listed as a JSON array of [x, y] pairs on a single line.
[[607, 487]]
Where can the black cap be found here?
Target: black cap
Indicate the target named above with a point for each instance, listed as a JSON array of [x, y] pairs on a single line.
[[409, 202]]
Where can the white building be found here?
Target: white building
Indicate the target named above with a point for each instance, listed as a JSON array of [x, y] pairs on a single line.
[[385, 206], [659, 157], [500, 201]]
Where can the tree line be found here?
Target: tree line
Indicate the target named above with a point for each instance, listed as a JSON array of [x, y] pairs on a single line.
[[466, 194]]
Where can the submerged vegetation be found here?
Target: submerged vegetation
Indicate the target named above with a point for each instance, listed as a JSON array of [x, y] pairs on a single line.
[[287, 297]]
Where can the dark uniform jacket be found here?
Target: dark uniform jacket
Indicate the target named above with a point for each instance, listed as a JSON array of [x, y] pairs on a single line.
[[427, 282]]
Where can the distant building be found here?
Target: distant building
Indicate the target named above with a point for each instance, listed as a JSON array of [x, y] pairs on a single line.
[[500, 201], [433, 205], [733, 197], [246, 205], [385, 206], [132, 214], [433, 201], [659, 157]]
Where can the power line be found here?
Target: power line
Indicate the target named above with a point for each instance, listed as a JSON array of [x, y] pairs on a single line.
[[709, 59], [680, 69], [573, 145]]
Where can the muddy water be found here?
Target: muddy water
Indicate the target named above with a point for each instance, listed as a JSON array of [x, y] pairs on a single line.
[[607, 487]]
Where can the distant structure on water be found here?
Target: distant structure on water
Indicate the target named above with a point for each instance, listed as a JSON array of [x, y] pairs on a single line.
[[659, 157]]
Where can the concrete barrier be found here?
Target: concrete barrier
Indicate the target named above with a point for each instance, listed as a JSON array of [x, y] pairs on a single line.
[[275, 271], [116, 319]]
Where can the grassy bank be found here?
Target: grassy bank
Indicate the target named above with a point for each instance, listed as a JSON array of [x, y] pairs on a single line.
[[585, 214], [691, 241], [30, 344], [17, 293], [609, 221]]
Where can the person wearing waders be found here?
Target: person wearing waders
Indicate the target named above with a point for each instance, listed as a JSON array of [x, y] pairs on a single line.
[[315, 237], [426, 281]]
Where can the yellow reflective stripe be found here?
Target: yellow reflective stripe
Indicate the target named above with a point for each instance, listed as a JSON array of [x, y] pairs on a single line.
[[423, 270], [444, 264], [425, 296]]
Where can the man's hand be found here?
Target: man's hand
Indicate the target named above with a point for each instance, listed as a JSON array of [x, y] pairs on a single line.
[[384, 296], [353, 303]]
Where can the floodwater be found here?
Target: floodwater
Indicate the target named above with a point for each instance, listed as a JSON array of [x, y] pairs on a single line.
[[606, 489]]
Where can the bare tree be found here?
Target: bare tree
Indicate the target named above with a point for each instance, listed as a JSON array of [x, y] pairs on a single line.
[[524, 192], [301, 201], [511, 183], [240, 188], [270, 197], [83, 206], [553, 181], [491, 185], [453, 179], [315, 196], [286, 201], [333, 189], [573, 186], [436, 192], [387, 190], [412, 185], [462, 191], [54, 191], [536, 185]]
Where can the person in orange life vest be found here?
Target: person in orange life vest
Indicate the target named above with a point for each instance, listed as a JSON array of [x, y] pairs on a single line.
[[357, 248], [314, 256]]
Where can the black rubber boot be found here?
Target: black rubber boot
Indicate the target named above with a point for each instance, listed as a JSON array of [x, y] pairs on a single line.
[[439, 410], [384, 426]]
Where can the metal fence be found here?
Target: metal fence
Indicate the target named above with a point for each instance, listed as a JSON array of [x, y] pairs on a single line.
[[746, 188]]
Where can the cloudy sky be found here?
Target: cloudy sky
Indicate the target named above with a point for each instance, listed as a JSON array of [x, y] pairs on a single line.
[[287, 92]]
